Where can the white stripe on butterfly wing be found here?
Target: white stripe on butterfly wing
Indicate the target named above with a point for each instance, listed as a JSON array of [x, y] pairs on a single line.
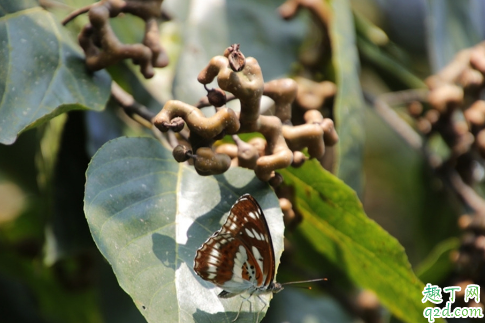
[[239, 260], [254, 215], [215, 252], [258, 235], [249, 233]]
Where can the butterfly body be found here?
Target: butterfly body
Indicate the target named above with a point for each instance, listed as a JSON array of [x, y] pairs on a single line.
[[239, 257]]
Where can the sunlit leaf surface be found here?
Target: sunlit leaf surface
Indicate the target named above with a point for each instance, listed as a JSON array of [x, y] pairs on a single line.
[[149, 214], [336, 225]]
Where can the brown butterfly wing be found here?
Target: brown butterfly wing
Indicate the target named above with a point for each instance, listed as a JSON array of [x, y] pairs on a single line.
[[240, 255], [253, 231]]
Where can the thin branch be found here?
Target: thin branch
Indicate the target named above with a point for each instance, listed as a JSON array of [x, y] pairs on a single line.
[[236, 139], [76, 13], [465, 193], [448, 174], [132, 108], [53, 4], [382, 106], [403, 97], [140, 114], [172, 139]]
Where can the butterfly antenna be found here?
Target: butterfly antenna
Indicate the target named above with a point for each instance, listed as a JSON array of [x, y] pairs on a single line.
[[306, 281], [304, 287]]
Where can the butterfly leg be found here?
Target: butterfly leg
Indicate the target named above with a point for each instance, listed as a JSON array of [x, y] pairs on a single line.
[[240, 307], [264, 306]]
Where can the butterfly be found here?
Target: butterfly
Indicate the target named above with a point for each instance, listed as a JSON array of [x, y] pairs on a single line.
[[239, 257]]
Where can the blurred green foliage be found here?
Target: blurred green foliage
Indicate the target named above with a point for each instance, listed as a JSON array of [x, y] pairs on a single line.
[[50, 268]]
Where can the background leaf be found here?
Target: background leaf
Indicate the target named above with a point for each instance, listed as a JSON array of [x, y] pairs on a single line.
[[452, 26], [349, 104], [43, 72], [310, 308], [149, 214], [336, 225], [67, 233], [255, 25], [438, 265]]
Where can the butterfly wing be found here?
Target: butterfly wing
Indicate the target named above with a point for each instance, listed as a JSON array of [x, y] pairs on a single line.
[[240, 255], [246, 221]]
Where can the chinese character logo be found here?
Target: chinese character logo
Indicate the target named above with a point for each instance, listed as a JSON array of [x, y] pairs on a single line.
[[432, 293], [472, 291]]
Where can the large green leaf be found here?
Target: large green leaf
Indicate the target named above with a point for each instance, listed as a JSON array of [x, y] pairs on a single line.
[[149, 214], [42, 73], [335, 223], [349, 104]]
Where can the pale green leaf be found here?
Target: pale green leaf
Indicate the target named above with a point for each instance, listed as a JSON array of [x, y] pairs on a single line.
[[149, 214]]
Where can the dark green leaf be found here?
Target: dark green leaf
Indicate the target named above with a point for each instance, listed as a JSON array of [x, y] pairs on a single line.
[[68, 232], [335, 223], [148, 215], [349, 104], [42, 72]]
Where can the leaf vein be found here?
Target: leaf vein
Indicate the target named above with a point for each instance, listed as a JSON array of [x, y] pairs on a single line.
[[114, 215], [91, 203], [54, 76], [141, 237]]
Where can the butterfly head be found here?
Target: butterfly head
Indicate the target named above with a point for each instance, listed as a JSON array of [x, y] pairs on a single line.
[[275, 287]]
